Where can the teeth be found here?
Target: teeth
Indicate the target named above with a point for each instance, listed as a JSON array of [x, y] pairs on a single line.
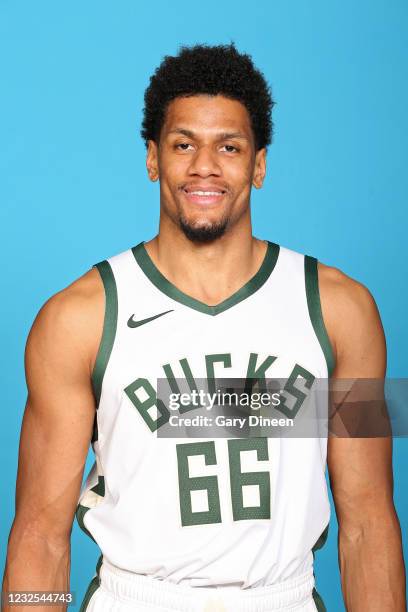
[[206, 193]]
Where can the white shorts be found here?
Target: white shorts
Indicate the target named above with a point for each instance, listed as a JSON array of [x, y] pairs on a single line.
[[117, 590]]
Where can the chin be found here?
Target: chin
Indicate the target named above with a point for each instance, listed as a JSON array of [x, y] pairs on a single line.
[[203, 233]]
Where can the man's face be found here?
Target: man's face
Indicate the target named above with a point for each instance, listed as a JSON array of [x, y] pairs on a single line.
[[206, 162]]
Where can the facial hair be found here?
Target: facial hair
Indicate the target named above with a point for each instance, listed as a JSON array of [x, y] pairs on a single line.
[[203, 233]]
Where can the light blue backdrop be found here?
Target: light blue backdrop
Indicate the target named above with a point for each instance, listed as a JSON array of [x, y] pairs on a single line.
[[74, 189]]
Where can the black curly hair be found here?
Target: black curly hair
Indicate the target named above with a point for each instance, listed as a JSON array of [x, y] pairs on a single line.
[[204, 69]]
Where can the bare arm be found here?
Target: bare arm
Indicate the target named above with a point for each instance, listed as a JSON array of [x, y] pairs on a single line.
[[55, 436], [360, 469]]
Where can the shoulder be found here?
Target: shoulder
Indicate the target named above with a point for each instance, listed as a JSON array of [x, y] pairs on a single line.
[[343, 292], [70, 322], [350, 313]]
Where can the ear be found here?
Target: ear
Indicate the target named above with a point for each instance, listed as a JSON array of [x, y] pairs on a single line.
[[259, 169], [152, 162]]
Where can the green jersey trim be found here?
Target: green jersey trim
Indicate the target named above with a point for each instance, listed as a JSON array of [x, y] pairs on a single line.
[[319, 603], [315, 311], [165, 286], [93, 586], [80, 515], [321, 541], [109, 327]]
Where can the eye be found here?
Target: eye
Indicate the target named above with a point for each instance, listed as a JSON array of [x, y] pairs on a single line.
[[182, 146], [230, 148]]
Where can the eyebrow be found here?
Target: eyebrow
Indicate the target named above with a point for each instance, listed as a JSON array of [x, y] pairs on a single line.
[[221, 135]]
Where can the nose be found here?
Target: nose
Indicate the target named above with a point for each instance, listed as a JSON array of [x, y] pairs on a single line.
[[204, 163]]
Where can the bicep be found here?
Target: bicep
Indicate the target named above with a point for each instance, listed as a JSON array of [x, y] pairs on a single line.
[[57, 423], [359, 462]]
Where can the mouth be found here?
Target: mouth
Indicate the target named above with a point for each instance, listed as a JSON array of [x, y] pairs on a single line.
[[209, 195]]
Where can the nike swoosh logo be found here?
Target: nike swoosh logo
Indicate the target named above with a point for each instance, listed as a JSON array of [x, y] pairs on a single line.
[[132, 323]]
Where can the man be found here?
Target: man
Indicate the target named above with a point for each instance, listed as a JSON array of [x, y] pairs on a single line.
[[214, 524]]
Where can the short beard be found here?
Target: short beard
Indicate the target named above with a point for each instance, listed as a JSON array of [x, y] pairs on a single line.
[[203, 234]]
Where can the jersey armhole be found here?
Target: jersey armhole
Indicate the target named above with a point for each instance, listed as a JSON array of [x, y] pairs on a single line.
[[315, 311], [109, 327]]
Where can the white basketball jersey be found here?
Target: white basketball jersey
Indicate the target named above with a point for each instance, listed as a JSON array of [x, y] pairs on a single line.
[[200, 512]]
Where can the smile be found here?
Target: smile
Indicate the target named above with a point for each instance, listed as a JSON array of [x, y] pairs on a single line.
[[204, 196], [205, 193]]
